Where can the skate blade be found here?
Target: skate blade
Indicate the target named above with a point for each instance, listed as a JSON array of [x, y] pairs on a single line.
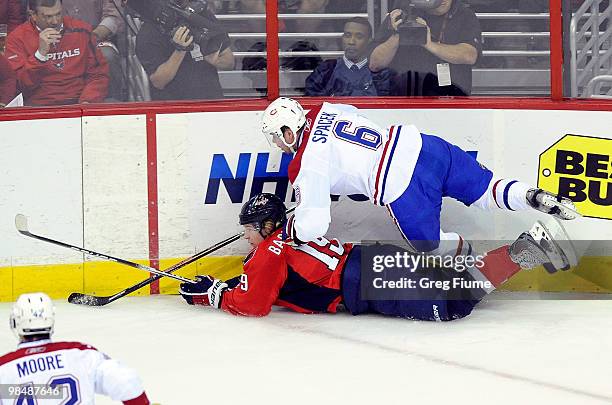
[[545, 238], [559, 205], [561, 236]]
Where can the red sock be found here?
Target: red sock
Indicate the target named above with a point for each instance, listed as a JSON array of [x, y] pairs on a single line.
[[139, 400], [498, 267]]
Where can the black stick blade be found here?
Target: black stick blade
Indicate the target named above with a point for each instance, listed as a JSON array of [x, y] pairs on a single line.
[[90, 300], [21, 223]]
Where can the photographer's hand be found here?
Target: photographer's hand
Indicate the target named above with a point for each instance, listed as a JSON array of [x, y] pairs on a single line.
[[458, 54], [395, 19], [182, 39], [383, 54], [221, 59], [427, 44], [166, 72]]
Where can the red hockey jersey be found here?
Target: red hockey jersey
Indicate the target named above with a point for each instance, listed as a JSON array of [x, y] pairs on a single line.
[[75, 70], [306, 278]]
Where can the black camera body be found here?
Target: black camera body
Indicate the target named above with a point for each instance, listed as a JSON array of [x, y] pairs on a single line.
[[411, 32], [169, 16]]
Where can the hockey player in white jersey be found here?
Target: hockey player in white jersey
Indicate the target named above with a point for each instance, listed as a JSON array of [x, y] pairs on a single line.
[[339, 151], [77, 370]]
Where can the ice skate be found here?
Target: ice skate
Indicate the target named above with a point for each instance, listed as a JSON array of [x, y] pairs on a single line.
[[538, 248], [557, 206]]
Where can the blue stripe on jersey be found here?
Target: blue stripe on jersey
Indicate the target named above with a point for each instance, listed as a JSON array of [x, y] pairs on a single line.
[[382, 193], [506, 192], [304, 294]]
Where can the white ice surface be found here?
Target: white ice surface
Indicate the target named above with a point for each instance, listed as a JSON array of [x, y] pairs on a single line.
[[506, 352]]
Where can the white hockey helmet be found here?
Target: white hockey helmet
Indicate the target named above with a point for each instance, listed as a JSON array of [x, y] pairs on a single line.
[[282, 112], [32, 314]]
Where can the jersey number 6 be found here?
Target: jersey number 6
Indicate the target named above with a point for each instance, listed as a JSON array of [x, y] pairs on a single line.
[[363, 136]]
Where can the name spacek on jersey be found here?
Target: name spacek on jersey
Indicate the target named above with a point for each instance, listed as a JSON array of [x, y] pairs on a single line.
[[79, 369], [342, 152]]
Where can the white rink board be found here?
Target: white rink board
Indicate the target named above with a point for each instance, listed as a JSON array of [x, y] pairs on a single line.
[[507, 141], [186, 145], [40, 177], [112, 206], [115, 185]]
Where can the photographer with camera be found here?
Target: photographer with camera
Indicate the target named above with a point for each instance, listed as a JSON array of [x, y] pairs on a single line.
[[182, 60], [433, 53]]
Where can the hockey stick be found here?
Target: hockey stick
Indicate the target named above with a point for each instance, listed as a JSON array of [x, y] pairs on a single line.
[[98, 301], [21, 223]]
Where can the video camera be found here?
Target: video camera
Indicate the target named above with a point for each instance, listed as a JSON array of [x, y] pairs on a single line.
[[169, 15], [410, 31]]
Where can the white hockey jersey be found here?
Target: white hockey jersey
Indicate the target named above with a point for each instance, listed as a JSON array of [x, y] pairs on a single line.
[[342, 152], [78, 369]]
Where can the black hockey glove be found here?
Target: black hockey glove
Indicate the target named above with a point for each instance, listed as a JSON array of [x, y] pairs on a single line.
[[207, 291]]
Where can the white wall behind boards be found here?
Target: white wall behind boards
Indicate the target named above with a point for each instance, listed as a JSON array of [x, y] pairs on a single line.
[[40, 177], [508, 142], [91, 174], [115, 185]]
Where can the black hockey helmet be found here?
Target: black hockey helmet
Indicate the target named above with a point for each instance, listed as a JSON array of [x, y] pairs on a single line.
[[263, 207]]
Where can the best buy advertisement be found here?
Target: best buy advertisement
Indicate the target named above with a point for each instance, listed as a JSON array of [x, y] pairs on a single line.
[[580, 167]]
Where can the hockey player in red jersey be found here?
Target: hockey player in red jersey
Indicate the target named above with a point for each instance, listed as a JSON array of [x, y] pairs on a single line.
[[78, 370], [322, 274], [56, 58], [339, 151]]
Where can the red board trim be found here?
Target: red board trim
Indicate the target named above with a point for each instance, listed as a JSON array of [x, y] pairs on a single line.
[[273, 63], [259, 104], [153, 211], [556, 50]]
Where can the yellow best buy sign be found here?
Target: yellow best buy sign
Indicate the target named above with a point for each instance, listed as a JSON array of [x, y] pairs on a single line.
[[580, 167]]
